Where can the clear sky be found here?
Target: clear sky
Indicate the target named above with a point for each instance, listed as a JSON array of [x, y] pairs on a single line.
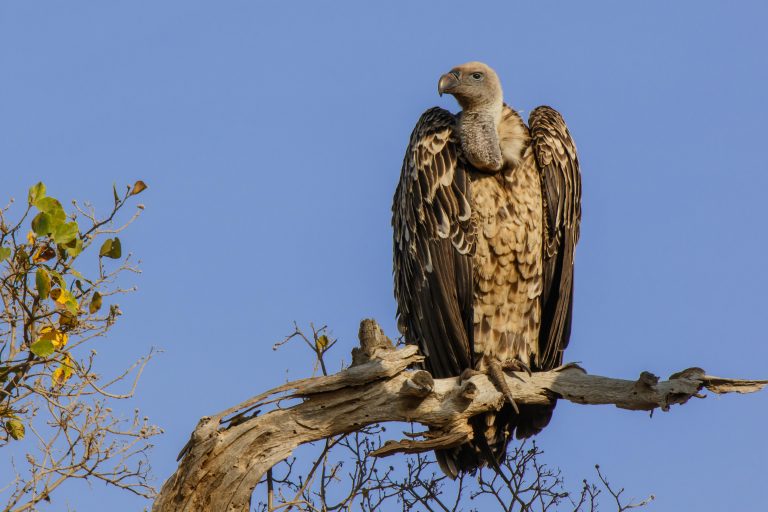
[[271, 135]]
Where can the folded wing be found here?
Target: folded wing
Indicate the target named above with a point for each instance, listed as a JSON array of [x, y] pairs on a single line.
[[561, 188], [433, 246]]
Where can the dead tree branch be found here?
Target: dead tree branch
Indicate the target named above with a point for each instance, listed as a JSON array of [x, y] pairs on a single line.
[[229, 453]]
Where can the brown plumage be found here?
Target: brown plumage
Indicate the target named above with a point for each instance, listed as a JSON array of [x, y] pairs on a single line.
[[486, 219]]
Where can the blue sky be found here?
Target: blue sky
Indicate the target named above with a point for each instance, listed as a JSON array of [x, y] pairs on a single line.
[[271, 136]]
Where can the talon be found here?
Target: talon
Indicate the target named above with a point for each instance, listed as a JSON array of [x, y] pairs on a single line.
[[496, 376], [512, 403], [516, 365]]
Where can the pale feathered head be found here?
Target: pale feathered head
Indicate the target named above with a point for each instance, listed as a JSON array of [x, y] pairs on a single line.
[[474, 85]]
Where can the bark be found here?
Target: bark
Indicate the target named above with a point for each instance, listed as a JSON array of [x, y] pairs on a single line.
[[229, 453]]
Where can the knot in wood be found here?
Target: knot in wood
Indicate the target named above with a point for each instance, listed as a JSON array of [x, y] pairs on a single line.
[[646, 382], [419, 384]]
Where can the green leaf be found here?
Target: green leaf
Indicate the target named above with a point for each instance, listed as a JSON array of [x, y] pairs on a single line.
[[117, 250], [114, 193], [71, 306], [95, 303], [4, 253], [42, 347], [57, 277], [43, 283], [65, 233], [106, 247], [15, 429], [52, 207], [74, 248], [111, 248], [41, 224], [36, 192], [65, 299]]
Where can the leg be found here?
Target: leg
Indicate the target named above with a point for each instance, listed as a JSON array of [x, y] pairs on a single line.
[[496, 376]]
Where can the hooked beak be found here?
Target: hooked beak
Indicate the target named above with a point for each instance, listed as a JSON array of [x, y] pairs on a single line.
[[447, 82]]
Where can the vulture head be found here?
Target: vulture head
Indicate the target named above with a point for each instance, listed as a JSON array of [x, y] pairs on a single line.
[[474, 85]]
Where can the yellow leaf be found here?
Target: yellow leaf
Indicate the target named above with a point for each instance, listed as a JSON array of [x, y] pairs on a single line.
[[322, 342], [58, 338], [31, 237], [63, 372], [64, 298]]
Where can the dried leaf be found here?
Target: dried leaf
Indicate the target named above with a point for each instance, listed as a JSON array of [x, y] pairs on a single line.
[[43, 254], [138, 188]]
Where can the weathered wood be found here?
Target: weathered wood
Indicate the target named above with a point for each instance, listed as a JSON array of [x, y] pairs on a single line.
[[229, 453]]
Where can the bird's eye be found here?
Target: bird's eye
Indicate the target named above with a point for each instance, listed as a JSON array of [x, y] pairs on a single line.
[[477, 76]]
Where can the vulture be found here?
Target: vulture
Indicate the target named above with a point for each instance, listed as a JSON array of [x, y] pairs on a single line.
[[486, 218]]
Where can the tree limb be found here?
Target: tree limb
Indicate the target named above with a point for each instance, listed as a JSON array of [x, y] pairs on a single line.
[[229, 453]]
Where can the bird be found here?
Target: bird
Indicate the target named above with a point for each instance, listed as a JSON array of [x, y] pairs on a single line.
[[486, 216]]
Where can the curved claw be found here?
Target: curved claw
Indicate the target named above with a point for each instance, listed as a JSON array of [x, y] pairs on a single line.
[[516, 365], [496, 376]]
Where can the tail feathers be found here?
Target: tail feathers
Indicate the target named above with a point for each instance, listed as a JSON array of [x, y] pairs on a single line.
[[533, 419], [493, 431]]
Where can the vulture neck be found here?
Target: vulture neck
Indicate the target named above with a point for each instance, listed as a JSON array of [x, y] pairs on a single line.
[[492, 137]]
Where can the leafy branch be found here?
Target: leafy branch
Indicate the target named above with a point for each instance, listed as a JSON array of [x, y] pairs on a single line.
[[52, 401]]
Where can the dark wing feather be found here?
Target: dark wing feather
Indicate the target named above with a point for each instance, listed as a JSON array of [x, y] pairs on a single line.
[[433, 246], [561, 188]]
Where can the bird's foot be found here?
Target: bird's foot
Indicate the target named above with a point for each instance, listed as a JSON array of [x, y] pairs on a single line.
[[467, 374], [496, 376], [516, 365]]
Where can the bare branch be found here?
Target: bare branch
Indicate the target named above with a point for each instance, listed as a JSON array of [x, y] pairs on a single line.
[[224, 461]]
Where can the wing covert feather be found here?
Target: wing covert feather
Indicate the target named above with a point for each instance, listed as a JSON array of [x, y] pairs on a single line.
[[433, 246]]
